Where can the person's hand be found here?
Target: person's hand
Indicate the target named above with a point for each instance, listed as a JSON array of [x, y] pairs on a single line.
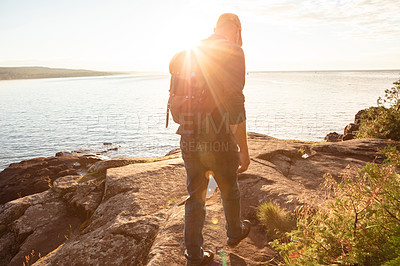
[[244, 161]]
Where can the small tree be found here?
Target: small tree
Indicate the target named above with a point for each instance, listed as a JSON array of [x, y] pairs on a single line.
[[383, 121]]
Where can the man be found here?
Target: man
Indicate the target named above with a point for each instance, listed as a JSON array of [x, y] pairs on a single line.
[[210, 144]]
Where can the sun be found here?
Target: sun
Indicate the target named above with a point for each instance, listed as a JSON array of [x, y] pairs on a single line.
[[185, 32]]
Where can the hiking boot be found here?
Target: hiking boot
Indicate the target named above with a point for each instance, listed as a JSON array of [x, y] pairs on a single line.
[[208, 257], [246, 225]]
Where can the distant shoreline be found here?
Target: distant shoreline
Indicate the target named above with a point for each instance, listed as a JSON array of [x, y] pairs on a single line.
[[354, 70], [13, 73], [39, 72]]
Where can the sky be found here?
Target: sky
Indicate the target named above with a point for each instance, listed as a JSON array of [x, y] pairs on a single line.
[[143, 35]]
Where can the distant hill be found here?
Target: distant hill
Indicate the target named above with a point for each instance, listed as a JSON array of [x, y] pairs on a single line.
[[7, 73]]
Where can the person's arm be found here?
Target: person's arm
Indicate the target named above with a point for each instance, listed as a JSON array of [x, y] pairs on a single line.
[[235, 105], [240, 134]]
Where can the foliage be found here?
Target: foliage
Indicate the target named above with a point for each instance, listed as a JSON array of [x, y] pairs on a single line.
[[31, 258], [84, 225], [275, 220], [360, 225], [383, 122]]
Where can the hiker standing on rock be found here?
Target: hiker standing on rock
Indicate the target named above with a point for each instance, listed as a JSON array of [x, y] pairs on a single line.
[[206, 99]]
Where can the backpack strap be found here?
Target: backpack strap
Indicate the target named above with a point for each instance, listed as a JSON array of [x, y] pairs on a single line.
[[167, 118]]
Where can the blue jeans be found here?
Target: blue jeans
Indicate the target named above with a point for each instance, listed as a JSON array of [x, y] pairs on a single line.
[[198, 164]]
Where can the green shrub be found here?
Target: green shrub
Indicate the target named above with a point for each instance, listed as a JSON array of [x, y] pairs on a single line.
[[360, 225], [275, 220], [383, 121]]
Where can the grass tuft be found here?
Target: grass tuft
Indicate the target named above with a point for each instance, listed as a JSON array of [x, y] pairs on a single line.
[[275, 220]]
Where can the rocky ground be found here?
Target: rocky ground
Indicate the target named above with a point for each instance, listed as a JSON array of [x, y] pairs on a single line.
[[34, 176], [130, 211]]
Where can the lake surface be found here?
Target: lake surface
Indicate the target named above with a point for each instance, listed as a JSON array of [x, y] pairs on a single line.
[[41, 117]]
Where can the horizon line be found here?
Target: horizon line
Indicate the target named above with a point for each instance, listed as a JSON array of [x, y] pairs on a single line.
[[248, 71]]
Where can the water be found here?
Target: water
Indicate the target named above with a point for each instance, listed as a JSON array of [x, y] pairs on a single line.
[[41, 117], [308, 105]]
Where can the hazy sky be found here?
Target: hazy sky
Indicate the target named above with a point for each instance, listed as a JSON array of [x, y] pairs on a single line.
[[144, 35]]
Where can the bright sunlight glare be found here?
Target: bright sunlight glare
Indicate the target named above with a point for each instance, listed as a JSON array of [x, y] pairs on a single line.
[[127, 35]]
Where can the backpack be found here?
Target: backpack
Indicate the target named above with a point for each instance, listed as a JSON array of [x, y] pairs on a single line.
[[190, 98]]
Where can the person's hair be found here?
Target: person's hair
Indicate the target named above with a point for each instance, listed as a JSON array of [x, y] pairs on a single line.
[[226, 25], [228, 22]]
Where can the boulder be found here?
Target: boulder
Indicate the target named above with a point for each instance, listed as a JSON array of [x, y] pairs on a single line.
[[333, 137], [34, 226], [358, 116], [37, 175], [81, 198], [350, 131], [63, 153], [175, 151], [129, 217]]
